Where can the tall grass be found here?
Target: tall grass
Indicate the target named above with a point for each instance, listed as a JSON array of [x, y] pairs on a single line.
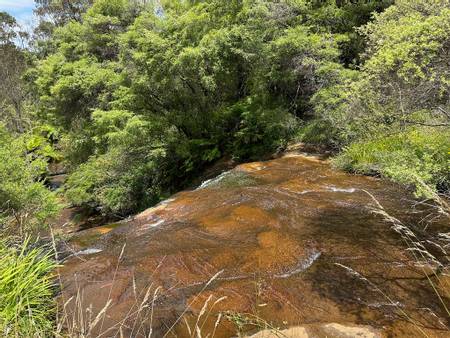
[[417, 157], [27, 307]]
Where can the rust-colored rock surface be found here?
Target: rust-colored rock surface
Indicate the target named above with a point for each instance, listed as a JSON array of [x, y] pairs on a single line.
[[277, 244]]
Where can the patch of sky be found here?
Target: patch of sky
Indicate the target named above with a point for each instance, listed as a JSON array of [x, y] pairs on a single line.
[[22, 10]]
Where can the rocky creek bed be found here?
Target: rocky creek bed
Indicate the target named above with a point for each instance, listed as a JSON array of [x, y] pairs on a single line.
[[288, 243]]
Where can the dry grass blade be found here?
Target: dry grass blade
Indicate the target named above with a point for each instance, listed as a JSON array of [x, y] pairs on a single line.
[[202, 312], [216, 324], [100, 316], [213, 278], [413, 245], [114, 278]]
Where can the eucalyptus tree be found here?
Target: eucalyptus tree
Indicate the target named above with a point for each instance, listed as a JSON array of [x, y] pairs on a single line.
[[12, 67]]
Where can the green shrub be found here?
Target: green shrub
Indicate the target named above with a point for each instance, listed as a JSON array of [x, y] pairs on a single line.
[[317, 132], [416, 157], [124, 175], [259, 130], [24, 200], [27, 307]]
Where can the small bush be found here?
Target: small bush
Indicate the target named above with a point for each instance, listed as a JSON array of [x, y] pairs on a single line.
[[25, 202], [414, 157], [317, 132], [26, 295], [260, 131]]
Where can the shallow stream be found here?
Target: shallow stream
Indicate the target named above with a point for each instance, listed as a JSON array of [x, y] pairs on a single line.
[[277, 244]]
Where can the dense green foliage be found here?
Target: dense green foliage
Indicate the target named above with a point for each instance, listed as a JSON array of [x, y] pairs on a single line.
[[146, 94], [24, 200], [397, 107], [26, 304], [405, 79]]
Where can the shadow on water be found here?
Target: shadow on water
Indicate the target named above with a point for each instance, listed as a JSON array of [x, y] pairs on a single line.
[[368, 273]]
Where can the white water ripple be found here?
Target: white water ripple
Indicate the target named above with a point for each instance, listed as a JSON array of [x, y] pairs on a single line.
[[89, 251], [337, 189], [302, 266], [214, 180]]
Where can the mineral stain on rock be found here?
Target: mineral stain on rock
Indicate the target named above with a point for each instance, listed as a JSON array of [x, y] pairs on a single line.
[[292, 245]]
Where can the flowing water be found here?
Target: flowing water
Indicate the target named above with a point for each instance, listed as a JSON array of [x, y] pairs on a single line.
[[283, 243]]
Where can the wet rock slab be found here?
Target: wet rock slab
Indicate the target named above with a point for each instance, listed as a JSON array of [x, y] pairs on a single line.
[[321, 331], [288, 242]]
